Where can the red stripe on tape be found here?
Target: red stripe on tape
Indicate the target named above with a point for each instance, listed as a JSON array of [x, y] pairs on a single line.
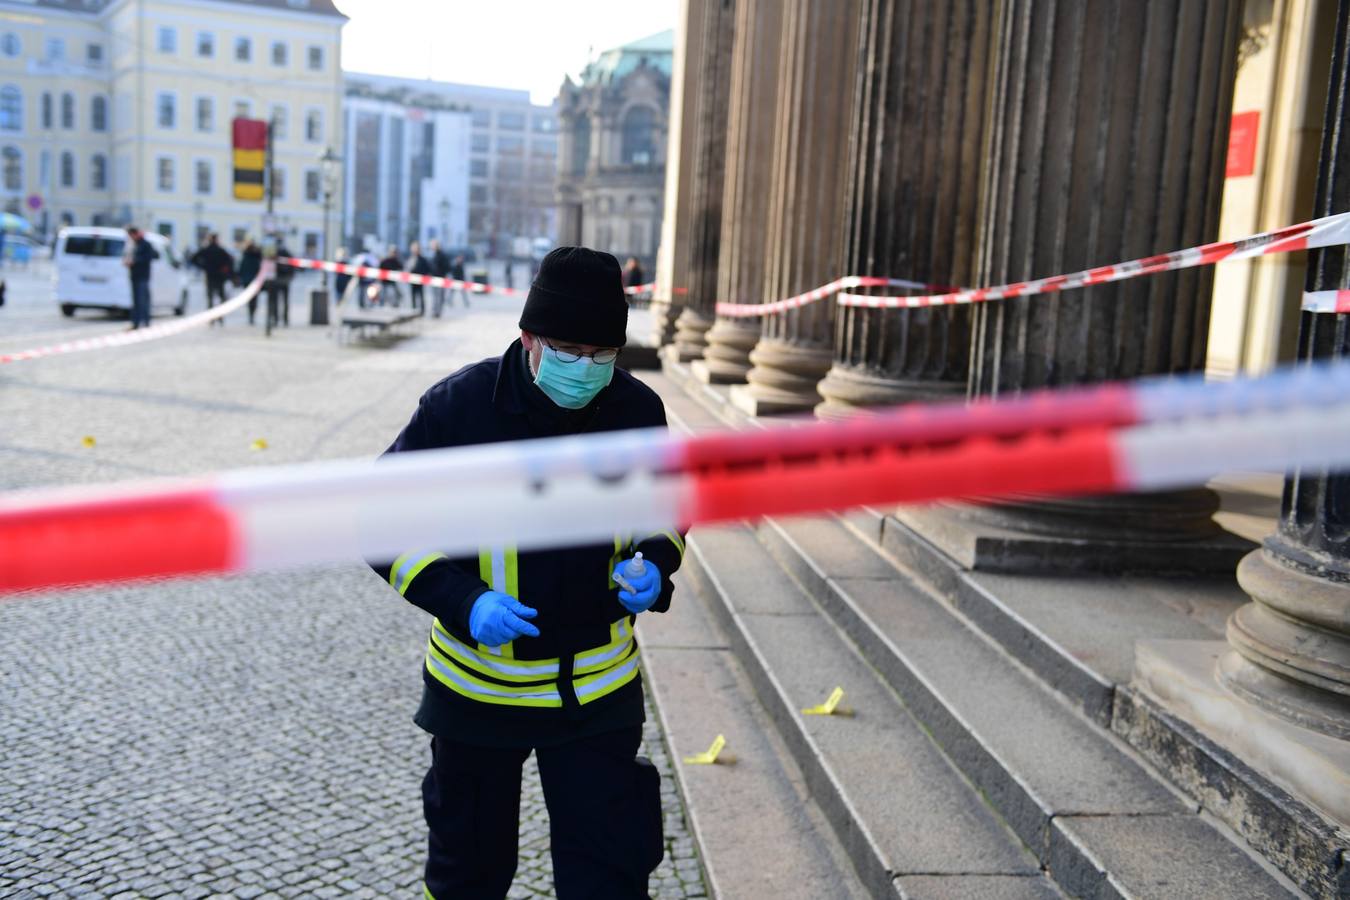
[[1079, 461], [117, 540]]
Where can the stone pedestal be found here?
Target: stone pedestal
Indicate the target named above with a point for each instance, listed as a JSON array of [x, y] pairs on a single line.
[[816, 78], [691, 333], [727, 357]]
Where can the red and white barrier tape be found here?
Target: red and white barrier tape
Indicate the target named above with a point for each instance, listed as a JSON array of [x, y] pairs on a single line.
[[1325, 232], [1115, 438], [1327, 301], [153, 333], [745, 310], [399, 276]]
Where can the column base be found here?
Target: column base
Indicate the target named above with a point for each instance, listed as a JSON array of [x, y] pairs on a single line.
[[1096, 539], [691, 334], [1292, 645], [848, 390], [664, 314], [1188, 679], [783, 378], [727, 357]]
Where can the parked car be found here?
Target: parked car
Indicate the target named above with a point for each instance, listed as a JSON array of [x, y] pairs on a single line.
[[89, 273]]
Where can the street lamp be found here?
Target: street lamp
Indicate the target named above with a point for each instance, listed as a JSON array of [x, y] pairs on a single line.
[[444, 208], [330, 165]]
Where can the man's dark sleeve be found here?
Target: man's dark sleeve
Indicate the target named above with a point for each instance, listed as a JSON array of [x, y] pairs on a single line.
[[664, 548], [424, 576]]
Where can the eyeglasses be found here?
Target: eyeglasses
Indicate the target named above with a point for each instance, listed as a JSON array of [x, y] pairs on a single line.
[[603, 357]]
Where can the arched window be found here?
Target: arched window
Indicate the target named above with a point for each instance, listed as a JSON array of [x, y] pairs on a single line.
[[10, 44], [11, 168], [11, 108], [581, 145], [98, 113], [47, 110], [98, 172], [68, 110], [67, 169], [639, 136]]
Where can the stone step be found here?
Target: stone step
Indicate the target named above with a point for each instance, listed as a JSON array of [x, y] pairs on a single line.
[[911, 824], [758, 832], [1100, 822]]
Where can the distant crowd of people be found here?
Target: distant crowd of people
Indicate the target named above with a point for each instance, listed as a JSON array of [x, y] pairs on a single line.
[[373, 292]]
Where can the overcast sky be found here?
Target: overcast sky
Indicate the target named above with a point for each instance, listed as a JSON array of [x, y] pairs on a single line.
[[527, 44]]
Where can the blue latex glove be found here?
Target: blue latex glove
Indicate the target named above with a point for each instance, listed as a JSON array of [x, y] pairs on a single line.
[[498, 618], [646, 587]]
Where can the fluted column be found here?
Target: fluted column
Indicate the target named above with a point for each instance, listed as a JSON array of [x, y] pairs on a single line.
[[672, 258], [1108, 142], [1291, 645], [745, 199], [918, 142], [806, 205], [709, 165]]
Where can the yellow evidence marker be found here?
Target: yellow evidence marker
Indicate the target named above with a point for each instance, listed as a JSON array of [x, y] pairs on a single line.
[[88, 440], [830, 707], [258, 444], [712, 756]]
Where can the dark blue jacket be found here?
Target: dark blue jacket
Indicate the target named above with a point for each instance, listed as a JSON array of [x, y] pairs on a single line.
[[141, 255], [496, 400]]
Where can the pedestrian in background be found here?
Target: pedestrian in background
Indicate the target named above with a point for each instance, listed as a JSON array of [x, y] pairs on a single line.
[[250, 264], [217, 267], [457, 273], [367, 260], [390, 295], [341, 279], [279, 288], [417, 265], [137, 260], [440, 267], [633, 276]]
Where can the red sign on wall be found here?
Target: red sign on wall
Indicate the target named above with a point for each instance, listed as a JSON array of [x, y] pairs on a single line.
[[1242, 143]]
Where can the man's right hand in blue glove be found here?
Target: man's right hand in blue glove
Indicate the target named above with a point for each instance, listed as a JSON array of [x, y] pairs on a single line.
[[498, 618]]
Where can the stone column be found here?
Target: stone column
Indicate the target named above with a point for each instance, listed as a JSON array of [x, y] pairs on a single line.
[[709, 164], [672, 258], [817, 78], [1108, 140], [1291, 646], [745, 198], [917, 152]]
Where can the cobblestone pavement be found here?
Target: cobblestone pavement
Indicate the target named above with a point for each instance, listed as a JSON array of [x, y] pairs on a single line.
[[232, 737]]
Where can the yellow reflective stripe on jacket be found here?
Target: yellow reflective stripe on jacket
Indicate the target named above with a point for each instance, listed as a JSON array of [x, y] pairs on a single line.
[[620, 638], [426, 892], [461, 682], [499, 567], [409, 566], [536, 670]]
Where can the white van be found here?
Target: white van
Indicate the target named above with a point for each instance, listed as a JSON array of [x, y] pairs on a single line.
[[89, 272]]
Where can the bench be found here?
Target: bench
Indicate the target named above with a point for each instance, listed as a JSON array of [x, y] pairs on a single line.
[[380, 317]]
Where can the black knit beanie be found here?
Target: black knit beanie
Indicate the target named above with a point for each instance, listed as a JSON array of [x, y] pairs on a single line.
[[578, 297]]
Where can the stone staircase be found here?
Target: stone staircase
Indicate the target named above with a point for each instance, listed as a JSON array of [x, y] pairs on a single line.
[[979, 760]]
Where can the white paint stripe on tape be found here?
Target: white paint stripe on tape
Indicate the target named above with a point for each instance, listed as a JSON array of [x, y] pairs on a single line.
[[1327, 301]]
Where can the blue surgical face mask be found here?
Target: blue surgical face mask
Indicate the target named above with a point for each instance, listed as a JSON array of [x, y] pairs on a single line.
[[571, 385]]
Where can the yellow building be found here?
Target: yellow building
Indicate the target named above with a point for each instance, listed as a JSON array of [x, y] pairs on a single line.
[[116, 111]]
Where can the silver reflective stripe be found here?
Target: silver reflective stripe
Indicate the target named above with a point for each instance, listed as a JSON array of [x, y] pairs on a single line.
[[604, 655], [409, 562], [499, 569], [503, 668], [473, 688], [609, 678]]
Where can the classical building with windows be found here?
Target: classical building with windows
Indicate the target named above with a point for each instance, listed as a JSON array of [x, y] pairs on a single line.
[[113, 111], [611, 174], [512, 155]]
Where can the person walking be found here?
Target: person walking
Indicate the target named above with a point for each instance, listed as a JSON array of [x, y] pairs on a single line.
[[457, 273], [340, 279], [390, 295], [440, 267], [533, 650], [417, 265], [632, 273], [139, 256], [217, 267], [279, 288], [366, 259], [250, 263]]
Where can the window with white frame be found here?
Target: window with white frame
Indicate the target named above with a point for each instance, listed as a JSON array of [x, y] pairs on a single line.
[[280, 53], [165, 228], [315, 57], [11, 46], [67, 169], [98, 172], [202, 176], [166, 39], [313, 186], [243, 109], [56, 49], [68, 111], [279, 118], [278, 183], [93, 55], [11, 108], [314, 126], [98, 113], [243, 49], [206, 114], [164, 173], [48, 110], [206, 44], [166, 109], [11, 161]]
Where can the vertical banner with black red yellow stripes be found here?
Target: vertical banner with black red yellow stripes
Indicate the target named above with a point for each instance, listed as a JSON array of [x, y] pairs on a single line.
[[250, 152]]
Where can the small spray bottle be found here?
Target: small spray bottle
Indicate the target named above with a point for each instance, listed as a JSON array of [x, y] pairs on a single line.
[[635, 567]]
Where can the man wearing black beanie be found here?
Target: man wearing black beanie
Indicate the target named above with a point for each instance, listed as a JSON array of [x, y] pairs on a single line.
[[534, 650]]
